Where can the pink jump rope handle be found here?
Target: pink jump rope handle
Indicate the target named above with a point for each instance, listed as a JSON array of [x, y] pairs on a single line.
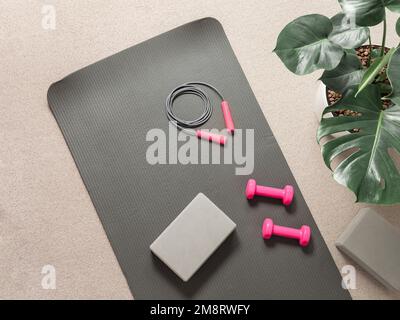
[[227, 116], [213, 137]]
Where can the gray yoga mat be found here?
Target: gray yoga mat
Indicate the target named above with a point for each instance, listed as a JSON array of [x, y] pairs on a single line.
[[105, 111]]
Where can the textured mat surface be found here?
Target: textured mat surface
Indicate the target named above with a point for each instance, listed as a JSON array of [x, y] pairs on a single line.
[[105, 111]]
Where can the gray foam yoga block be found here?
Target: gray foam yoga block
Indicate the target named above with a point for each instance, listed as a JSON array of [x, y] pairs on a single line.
[[375, 245], [192, 237]]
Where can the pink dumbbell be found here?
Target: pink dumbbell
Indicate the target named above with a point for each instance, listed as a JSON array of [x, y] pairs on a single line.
[[286, 194], [303, 234]]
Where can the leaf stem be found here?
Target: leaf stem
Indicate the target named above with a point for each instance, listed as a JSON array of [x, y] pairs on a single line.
[[384, 36], [370, 51]]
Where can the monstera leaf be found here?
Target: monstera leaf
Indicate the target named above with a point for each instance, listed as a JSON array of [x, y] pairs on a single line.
[[348, 73], [369, 171], [398, 27], [393, 73], [346, 34], [374, 70], [392, 5], [303, 45], [368, 12]]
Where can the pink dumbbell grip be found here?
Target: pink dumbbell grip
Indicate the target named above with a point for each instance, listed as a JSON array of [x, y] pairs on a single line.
[[227, 116], [217, 138], [269, 192], [286, 232]]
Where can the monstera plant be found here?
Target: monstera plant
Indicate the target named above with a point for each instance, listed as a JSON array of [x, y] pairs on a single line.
[[368, 139]]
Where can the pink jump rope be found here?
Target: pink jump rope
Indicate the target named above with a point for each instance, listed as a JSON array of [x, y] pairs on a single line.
[[189, 125]]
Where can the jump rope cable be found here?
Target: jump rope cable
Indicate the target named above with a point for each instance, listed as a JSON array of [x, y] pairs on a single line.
[[193, 88]]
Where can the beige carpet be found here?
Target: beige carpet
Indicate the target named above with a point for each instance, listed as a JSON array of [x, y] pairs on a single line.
[[46, 216]]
